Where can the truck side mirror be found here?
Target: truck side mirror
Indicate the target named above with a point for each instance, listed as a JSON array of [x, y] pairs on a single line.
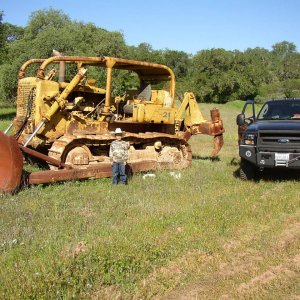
[[240, 119]]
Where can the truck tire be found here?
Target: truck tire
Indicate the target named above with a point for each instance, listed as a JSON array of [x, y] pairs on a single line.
[[247, 170]]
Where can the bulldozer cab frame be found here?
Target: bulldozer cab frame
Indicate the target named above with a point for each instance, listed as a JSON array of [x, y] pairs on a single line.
[[139, 101], [147, 72]]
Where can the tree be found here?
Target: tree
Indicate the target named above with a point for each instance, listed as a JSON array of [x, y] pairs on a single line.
[[52, 29], [284, 56], [43, 19], [178, 61], [2, 38], [211, 75], [284, 48], [12, 33], [145, 52], [214, 75]]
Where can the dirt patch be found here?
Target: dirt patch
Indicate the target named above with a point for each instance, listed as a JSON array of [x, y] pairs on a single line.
[[289, 235], [177, 271], [240, 266], [231, 245], [296, 260], [242, 263]]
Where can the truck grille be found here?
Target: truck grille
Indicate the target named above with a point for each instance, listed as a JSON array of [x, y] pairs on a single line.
[[274, 141]]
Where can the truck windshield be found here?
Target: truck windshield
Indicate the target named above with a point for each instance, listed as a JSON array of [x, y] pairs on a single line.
[[280, 110]]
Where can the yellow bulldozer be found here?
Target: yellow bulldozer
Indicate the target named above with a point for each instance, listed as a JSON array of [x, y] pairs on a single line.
[[68, 123]]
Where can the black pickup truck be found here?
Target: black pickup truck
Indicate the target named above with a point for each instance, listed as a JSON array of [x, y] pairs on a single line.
[[271, 139]]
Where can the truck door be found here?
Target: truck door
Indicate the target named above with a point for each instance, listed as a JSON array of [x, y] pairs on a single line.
[[245, 118]]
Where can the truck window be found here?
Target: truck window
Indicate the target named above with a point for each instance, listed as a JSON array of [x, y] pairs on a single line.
[[280, 110]]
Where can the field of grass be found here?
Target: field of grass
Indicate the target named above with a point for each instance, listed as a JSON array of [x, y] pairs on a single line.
[[206, 235]]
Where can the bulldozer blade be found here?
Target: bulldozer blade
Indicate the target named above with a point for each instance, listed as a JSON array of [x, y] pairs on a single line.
[[218, 144], [11, 164]]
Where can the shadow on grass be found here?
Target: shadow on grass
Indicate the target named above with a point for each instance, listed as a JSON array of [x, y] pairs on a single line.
[[199, 157], [234, 162], [7, 116], [280, 175], [236, 173], [273, 175]]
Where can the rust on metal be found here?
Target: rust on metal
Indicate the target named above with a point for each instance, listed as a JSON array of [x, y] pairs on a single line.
[[26, 64], [11, 164], [215, 114], [218, 144], [71, 174], [99, 171], [44, 157]]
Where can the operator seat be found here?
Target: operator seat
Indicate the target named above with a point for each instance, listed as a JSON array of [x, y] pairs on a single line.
[[145, 92]]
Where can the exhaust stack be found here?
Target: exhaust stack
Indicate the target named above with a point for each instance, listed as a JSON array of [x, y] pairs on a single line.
[[62, 66]]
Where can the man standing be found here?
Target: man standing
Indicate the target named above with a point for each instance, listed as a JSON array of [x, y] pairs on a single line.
[[118, 155]]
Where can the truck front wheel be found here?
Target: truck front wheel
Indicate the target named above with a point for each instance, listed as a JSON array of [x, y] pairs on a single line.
[[247, 170]]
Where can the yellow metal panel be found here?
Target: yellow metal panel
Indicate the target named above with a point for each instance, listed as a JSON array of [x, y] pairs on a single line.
[[159, 114], [162, 97], [55, 127], [45, 89], [138, 113]]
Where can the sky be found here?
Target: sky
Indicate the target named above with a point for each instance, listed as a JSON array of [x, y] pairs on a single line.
[[183, 25]]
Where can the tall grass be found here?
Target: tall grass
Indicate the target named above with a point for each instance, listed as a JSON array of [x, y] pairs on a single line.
[[158, 237]]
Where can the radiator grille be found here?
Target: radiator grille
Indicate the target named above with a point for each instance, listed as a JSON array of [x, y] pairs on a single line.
[[25, 86], [282, 141]]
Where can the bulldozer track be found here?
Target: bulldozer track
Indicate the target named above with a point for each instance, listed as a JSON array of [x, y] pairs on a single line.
[[177, 155]]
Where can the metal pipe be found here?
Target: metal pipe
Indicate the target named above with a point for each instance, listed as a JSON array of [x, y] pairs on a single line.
[[8, 128], [44, 157], [68, 59], [108, 91], [60, 101], [35, 131], [62, 66], [109, 64], [26, 64]]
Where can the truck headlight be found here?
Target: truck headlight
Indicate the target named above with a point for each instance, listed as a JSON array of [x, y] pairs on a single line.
[[250, 139]]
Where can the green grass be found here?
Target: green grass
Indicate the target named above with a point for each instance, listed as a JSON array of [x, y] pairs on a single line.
[[206, 235], [7, 113]]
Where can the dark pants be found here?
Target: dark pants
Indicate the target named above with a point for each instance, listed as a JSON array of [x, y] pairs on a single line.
[[118, 169]]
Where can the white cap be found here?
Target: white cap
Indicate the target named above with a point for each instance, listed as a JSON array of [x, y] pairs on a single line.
[[118, 131]]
